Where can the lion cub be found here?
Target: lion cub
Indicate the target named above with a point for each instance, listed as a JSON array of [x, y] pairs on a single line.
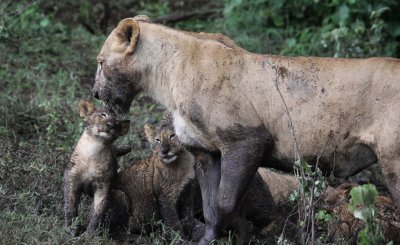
[[93, 164], [154, 185]]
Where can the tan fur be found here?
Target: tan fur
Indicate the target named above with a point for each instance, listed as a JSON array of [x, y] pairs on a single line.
[[345, 225], [155, 184], [233, 102], [280, 185], [93, 164]]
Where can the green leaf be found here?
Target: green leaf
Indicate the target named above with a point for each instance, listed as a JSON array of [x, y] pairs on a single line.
[[343, 12], [44, 22], [291, 42], [328, 217]]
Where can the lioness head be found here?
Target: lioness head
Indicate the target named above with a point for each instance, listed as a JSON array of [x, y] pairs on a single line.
[[163, 139], [118, 69], [102, 123]]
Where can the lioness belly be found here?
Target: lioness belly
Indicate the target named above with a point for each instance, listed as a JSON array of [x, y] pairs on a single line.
[[189, 135]]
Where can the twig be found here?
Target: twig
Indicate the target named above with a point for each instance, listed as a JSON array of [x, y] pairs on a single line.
[[297, 156], [106, 16], [286, 110], [306, 212], [185, 16]]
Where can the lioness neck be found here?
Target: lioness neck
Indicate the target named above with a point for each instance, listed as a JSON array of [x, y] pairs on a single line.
[[170, 56]]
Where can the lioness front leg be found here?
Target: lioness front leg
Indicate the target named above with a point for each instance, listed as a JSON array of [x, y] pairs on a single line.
[[239, 164], [208, 174], [100, 202]]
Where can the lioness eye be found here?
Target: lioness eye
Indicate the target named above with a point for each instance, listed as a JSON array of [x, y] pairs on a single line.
[[172, 136]]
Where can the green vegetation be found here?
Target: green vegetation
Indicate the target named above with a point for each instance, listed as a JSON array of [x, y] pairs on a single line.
[[362, 206], [339, 28], [48, 59]]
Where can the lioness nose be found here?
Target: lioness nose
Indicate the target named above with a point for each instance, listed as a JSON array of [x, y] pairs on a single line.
[[95, 93]]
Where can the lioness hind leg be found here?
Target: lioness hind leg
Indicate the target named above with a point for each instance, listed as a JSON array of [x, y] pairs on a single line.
[[388, 152], [391, 173], [354, 159]]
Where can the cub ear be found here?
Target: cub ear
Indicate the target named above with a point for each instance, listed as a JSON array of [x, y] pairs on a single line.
[[127, 33], [149, 132], [124, 126], [85, 108]]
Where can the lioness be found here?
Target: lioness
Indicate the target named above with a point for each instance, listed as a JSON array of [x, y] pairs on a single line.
[[246, 108], [93, 164]]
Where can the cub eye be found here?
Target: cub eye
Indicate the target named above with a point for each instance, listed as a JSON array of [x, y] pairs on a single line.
[[103, 114], [157, 140], [172, 136]]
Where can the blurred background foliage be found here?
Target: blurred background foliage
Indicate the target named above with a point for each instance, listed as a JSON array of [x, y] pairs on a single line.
[[339, 28], [48, 60]]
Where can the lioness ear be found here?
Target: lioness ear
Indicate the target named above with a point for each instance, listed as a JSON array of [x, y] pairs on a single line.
[[85, 108], [149, 132], [127, 32], [124, 127]]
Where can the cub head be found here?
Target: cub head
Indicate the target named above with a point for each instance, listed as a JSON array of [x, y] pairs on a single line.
[[118, 66], [163, 139], [102, 123]]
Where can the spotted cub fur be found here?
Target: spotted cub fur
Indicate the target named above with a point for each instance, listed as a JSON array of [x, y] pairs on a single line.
[[154, 185], [93, 164]]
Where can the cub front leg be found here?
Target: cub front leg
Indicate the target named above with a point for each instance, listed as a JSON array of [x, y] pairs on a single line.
[[169, 213], [187, 207], [121, 150], [72, 194], [100, 202]]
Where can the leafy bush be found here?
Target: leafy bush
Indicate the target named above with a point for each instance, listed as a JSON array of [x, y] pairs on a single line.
[[362, 206], [352, 28]]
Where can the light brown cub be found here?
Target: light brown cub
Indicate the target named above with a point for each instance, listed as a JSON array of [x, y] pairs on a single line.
[[155, 184], [93, 164]]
